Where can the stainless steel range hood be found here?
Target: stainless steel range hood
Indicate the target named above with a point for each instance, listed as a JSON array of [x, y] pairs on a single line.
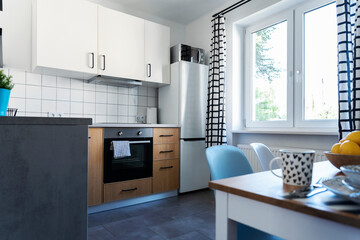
[[116, 82]]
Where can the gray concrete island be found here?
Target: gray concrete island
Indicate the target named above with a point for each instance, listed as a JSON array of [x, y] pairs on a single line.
[[43, 176]]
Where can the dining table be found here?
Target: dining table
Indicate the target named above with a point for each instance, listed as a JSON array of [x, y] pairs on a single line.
[[258, 200]]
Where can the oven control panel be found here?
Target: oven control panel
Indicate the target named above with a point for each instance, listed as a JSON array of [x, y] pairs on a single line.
[[128, 132]]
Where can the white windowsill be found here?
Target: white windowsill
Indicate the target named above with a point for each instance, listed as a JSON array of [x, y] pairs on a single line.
[[307, 131]]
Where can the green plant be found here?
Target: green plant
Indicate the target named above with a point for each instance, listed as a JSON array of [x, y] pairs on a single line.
[[5, 81]]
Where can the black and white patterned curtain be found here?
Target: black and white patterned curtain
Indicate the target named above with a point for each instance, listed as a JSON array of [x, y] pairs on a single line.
[[348, 65], [215, 115]]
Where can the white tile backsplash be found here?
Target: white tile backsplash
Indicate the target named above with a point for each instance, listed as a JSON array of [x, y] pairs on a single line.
[[62, 82], [48, 81], [18, 91], [33, 105], [77, 95], [89, 96], [77, 84], [33, 79], [36, 95], [112, 98], [100, 109], [48, 93], [33, 92], [63, 107], [101, 97], [48, 106], [112, 110], [63, 94], [77, 108], [89, 108]]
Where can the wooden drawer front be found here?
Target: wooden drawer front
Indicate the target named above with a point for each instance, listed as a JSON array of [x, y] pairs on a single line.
[[127, 189], [166, 135], [166, 175], [166, 151]]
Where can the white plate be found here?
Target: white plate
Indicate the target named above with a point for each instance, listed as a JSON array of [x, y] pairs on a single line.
[[338, 186], [352, 172]]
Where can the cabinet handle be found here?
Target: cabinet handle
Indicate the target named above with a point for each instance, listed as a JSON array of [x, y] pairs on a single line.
[[104, 63], [170, 151], [89, 137], [166, 135], [129, 190], [149, 70], [92, 60], [161, 168]]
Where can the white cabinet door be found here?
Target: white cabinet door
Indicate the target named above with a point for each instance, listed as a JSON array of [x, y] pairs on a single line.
[[157, 53], [65, 35], [121, 45]]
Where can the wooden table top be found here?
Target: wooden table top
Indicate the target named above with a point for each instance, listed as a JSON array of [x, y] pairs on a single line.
[[267, 188]]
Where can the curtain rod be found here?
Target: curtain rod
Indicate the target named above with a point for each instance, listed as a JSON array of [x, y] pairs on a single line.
[[232, 7]]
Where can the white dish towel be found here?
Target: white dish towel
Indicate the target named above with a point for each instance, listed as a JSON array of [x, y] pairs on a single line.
[[121, 149]]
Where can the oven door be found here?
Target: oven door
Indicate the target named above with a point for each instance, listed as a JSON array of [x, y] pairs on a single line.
[[138, 165]]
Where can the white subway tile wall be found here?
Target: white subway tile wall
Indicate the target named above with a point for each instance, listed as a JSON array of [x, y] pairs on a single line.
[[36, 95]]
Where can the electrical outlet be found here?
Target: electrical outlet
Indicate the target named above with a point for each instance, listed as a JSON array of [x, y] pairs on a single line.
[[54, 114], [140, 119]]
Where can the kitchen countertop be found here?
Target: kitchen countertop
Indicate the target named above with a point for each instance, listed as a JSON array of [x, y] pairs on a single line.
[[133, 125], [44, 121]]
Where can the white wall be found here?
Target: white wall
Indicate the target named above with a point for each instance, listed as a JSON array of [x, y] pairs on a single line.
[[198, 33]]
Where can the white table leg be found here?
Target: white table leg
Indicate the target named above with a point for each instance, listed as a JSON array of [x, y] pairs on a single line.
[[225, 227]]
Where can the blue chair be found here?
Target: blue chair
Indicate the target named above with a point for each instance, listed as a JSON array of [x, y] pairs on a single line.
[[229, 161]]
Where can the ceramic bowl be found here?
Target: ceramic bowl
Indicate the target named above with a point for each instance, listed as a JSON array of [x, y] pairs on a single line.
[[339, 160], [352, 172]]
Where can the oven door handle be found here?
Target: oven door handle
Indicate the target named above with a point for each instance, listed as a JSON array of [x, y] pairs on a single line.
[[139, 142]]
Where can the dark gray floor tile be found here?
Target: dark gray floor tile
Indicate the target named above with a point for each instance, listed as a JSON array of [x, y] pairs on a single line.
[[187, 216], [173, 228], [99, 233], [192, 236]]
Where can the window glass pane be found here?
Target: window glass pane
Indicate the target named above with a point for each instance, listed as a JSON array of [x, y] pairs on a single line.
[[321, 95], [269, 67]]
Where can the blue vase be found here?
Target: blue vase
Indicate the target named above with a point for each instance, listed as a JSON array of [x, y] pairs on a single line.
[[4, 101]]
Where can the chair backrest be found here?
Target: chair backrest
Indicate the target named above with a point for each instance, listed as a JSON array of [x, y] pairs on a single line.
[[264, 155], [227, 161]]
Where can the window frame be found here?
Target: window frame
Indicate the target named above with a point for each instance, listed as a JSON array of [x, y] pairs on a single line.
[[249, 122], [299, 83], [295, 77]]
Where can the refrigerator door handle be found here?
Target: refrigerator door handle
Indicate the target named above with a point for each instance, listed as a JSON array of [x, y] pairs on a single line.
[[192, 139]]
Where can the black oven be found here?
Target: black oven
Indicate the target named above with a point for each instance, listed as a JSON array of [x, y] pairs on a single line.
[[138, 165]]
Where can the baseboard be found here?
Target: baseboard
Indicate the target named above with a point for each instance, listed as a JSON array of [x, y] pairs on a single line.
[[129, 202]]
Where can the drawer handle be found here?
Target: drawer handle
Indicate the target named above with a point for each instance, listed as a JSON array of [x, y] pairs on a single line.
[[129, 190], [170, 151], [166, 135], [166, 167]]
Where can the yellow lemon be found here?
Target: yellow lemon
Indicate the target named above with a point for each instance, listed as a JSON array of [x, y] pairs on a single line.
[[336, 148], [354, 137], [349, 148], [342, 140]]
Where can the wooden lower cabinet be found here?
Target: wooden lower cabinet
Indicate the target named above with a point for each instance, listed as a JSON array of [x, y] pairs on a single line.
[[165, 175], [166, 151], [95, 166], [127, 189]]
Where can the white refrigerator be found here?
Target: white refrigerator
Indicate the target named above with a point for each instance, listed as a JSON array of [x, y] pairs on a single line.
[[184, 103]]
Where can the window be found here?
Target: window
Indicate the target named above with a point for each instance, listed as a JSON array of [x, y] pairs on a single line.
[[291, 68]]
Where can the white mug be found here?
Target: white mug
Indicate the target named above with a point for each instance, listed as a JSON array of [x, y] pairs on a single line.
[[296, 165]]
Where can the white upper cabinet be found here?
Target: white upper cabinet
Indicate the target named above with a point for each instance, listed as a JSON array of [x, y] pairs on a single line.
[[64, 37], [121, 45], [157, 53]]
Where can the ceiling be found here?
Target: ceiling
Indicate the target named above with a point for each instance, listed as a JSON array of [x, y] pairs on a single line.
[[180, 11]]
